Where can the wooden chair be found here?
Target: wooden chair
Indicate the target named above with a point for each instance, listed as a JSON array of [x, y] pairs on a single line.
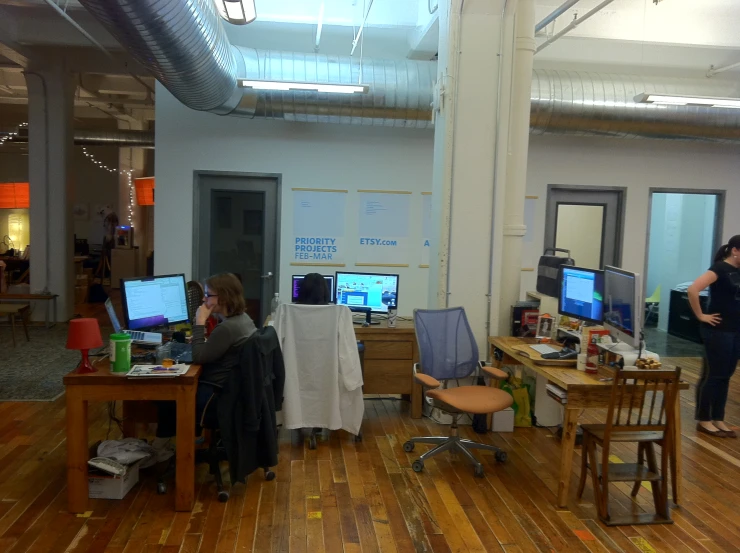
[[12, 310], [640, 411]]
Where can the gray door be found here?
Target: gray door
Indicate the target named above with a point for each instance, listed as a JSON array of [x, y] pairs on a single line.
[[588, 222], [237, 231]]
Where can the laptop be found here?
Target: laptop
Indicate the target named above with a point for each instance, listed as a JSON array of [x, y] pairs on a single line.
[[138, 337]]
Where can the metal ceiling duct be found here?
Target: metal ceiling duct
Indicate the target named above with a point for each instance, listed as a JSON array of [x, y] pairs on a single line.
[[595, 104], [82, 137], [184, 45]]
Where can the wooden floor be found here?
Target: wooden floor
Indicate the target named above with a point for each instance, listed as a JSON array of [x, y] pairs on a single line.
[[363, 497]]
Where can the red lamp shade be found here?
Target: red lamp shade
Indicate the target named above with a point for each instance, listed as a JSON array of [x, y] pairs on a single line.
[[144, 190], [14, 195], [84, 334]]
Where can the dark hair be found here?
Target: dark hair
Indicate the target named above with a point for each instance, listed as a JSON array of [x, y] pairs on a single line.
[[230, 292], [313, 290], [724, 251]]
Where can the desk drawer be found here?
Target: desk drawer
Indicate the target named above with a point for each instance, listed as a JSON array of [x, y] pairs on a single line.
[[388, 377], [388, 350]]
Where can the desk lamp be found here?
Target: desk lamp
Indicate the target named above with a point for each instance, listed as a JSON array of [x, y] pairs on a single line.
[[84, 334]]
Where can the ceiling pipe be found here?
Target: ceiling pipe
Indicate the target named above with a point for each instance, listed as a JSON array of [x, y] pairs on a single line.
[[83, 137], [716, 70], [557, 12], [573, 24]]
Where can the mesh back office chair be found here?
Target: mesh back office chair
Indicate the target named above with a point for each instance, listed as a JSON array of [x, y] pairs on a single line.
[[195, 295], [448, 351]]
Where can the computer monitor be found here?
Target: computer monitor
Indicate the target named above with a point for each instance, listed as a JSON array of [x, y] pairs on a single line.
[[297, 279], [581, 293], [623, 305], [149, 302], [374, 290]]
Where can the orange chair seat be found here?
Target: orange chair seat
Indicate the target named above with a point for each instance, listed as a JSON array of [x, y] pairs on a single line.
[[479, 400]]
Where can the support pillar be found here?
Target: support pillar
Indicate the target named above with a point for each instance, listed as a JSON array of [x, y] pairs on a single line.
[[50, 141], [516, 167], [464, 143]]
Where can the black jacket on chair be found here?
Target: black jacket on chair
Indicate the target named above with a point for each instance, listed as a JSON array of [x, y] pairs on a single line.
[[247, 405]]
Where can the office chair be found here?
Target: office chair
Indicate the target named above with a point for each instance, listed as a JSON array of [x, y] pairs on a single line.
[[447, 351], [652, 305], [195, 295]]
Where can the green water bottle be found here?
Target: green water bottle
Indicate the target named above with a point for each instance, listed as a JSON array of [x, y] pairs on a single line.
[[120, 353]]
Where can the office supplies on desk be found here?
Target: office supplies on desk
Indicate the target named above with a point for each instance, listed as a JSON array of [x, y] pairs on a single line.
[[156, 371]]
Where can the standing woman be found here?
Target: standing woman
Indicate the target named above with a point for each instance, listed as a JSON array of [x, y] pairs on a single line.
[[720, 331]]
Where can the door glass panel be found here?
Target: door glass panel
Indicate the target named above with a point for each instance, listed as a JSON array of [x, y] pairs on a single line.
[[237, 239], [580, 229]]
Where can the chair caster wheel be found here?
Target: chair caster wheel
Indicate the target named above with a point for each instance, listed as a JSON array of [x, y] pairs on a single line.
[[479, 473], [269, 475], [223, 496], [408, 447], [501, 456], [312, 442], [161, 488], [418, 465]]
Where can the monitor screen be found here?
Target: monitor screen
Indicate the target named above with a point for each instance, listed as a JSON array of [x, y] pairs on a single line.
[[297, 279], [376, 291], [622, 290], [154, 301], [581, 294]]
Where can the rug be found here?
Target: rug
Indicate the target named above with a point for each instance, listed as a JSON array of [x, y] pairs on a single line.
[[33, 371]]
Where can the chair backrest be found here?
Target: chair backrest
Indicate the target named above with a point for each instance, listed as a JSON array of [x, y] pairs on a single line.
[[642, 400], [447, 347], [195, 295]]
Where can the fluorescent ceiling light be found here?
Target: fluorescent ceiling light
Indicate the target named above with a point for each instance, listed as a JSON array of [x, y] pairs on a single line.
[[238, 12], [314, 87], [677, 100]]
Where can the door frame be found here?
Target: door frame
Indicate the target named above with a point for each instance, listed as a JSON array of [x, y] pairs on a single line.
[[197, 189], [621, 203], [718, 226]]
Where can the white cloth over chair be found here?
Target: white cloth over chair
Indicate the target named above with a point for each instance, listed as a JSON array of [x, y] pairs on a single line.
[[323, 376]]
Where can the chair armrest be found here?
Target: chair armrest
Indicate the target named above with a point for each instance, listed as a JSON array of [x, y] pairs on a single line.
[[493, 372], [425, 379]]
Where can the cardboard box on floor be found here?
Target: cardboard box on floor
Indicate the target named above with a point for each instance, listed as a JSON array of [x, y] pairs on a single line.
[[106, 486]]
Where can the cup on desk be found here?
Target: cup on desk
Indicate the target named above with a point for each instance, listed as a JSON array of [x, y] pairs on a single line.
[[392, 316], [581, 362]]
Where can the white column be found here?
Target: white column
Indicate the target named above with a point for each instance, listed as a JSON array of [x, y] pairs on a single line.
[[50, 141], [516, 167], [464, 164]]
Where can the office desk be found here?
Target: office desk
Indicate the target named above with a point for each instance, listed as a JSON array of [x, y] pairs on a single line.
[[390, 354], [585, 391], [106, 386]]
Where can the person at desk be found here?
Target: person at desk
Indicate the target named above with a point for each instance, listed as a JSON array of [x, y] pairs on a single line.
[[224, 298], [720, 331], [313, 290]]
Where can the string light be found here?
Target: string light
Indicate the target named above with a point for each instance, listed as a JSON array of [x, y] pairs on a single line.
[[128, 173]]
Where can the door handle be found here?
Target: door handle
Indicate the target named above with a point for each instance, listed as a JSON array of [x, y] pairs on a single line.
[[267, 276]]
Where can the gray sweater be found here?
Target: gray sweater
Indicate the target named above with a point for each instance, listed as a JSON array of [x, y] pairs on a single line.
[[220, 353]]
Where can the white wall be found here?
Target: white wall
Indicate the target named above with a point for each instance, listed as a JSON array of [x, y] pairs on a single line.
[[307, 156], [637, 165]]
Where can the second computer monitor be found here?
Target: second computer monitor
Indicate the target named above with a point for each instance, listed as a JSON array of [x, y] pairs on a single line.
[[297, 279], [374, 290], [581, 294], [149, 302]]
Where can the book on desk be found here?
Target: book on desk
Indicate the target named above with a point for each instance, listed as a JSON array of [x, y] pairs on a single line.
[[157, 371]]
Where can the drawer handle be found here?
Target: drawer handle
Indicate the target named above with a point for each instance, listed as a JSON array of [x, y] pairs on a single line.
[[685, 317], [685, 296]]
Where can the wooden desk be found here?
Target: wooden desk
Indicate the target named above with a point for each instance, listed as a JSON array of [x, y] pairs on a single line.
[[390, 354], [585, 391], [35, 297], [106, 386]]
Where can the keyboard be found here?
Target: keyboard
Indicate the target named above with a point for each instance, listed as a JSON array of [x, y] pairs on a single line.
[[542, 349], [181, 353], [152, 338]]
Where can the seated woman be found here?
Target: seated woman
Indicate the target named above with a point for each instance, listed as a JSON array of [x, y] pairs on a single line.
[[313, 290], [224, 298]]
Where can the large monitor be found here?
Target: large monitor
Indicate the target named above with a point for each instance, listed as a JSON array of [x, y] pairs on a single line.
[[297, 279], [373, 290], [149, 302], [581, 293], [623, 305]]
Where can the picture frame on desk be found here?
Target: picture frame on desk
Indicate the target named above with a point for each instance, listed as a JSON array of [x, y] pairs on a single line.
[[545, 324]]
